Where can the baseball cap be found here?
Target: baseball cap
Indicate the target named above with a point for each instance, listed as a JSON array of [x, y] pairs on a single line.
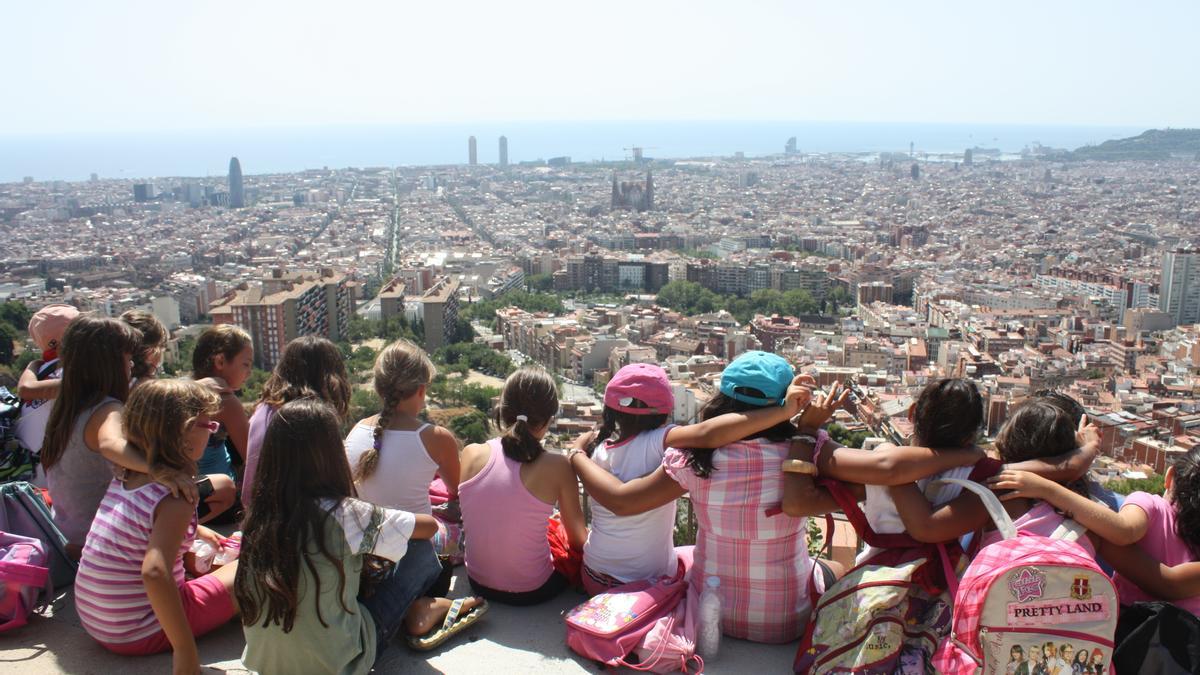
[[769, 373], [49, 323], [643, 382]]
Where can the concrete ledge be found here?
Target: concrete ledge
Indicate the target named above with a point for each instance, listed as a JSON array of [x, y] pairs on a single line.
[[507, 640]]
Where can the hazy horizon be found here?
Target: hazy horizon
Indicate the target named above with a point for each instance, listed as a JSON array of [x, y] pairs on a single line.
[[83, 68]]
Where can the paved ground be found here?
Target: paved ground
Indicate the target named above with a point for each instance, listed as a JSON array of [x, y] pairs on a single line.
[[507, 640]]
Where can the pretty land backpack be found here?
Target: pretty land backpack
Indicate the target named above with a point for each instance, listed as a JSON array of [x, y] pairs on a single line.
[[24, 579], [23, 511], [643, 625], [1028, 593]]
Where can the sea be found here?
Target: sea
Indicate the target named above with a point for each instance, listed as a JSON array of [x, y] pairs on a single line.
[[149, 155]]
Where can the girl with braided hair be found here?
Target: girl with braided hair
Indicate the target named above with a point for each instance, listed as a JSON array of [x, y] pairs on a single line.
[[395, 455]]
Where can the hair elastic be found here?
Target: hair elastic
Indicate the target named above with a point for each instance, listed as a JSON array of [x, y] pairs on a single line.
[[522, 418]]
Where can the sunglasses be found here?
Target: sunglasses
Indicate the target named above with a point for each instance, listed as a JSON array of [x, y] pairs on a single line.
[[211, 426]]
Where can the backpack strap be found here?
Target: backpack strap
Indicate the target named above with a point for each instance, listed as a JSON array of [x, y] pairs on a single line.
[[995, 509], [854, 513]]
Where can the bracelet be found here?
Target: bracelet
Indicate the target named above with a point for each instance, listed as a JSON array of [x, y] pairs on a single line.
[[799, 466], [571, 454]]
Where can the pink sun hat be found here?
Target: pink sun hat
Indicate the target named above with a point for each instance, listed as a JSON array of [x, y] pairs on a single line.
[[643, 382]]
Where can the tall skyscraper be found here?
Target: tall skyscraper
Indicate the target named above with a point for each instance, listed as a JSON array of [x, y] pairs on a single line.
[[790, 148], [237, 192], [916, 171], [1179, 287], [968, 157], [472, 156], [503, 151]]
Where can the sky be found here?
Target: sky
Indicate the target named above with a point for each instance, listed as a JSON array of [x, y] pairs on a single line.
[[133, 66]]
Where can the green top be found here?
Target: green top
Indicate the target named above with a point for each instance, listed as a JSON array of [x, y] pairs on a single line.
[[346, 644]]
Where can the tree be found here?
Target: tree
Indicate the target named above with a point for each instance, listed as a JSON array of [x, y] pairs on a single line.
[[15, 314], [850, 439], [363, 404], [543, 283], [688, 297], [471, 427], [1154, 484], [252, 388], [8, 338]]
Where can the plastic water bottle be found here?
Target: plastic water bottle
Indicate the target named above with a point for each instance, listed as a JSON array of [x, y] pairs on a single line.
[[204, 553], [708, 633], [231, 546]]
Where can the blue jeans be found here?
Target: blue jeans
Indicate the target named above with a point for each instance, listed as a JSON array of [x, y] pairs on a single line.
[[411, 578]]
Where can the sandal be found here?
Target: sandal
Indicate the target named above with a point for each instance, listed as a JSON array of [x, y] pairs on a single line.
[[452, 625]]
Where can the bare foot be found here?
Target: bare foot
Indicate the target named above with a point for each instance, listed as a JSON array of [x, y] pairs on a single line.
[[425, 614]]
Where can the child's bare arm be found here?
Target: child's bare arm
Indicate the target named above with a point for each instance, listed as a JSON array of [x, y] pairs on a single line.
[[1068, 466], [1181, 582], [801, 496], [892, 465], [733, 427], [925, 523], [171, 520], [443, 449], [625, 499], [569, 507], [30, 388], [1124, 527]]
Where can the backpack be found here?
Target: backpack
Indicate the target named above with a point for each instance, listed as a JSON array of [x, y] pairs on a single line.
[[16, 461], [24, 512], [888, 614], [643, 625], [1155, 638], [23, 578], [1027, 592]]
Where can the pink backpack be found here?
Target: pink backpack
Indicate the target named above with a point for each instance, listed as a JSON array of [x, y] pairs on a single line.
[[645, 619], [1027, 593], [23, 576]]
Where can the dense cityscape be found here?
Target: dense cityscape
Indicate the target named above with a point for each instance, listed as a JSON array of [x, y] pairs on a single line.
[[1022, 272]]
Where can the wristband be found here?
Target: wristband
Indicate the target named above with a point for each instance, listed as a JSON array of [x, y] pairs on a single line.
[[799, 466]]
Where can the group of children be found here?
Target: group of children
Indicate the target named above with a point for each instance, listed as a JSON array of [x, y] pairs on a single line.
[[342, 548]]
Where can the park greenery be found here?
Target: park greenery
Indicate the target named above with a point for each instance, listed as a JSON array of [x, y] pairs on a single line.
[[14, 318], [485, 310], [691, 298]]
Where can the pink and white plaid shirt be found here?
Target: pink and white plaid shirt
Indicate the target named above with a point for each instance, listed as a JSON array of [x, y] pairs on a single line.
[[762, 559]]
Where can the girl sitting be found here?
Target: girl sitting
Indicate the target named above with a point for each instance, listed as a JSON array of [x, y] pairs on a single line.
[[395, 454], [305, 548], [222, 360], [759, 553], [638, 402], [130, 592], [309, 366], [1035, 430], [508, 490], [84, 431], [1165, 529], [148, 357]]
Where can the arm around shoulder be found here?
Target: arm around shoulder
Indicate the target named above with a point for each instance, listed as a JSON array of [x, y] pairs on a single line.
[[569, 506]]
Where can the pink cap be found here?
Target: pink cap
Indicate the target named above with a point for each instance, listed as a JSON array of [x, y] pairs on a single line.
[[49, 323], [644, 382]]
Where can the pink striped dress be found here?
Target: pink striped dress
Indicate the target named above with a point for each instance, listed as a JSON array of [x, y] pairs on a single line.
[[759, 553], [109, 594]]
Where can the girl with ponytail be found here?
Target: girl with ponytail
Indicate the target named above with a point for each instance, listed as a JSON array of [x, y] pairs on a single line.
[[508, 490]]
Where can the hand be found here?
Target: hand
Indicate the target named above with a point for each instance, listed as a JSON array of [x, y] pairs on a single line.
[[822, 408], [180, 483], [215, 540], [1021, 484], [185, 662], [799, 394], [582, 441], [1088, 434]]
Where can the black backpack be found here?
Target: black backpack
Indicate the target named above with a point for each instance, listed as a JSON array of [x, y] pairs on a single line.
[[1157, 638]]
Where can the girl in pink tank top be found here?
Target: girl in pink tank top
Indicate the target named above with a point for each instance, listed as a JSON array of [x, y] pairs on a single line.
[[509, 489]]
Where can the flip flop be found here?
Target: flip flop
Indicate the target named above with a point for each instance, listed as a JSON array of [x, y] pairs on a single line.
[[454, 623]]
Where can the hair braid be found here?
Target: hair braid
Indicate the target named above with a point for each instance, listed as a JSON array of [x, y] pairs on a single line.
[[369, 461]]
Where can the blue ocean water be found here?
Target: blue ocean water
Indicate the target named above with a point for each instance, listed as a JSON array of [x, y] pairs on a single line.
[[276, 150]]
